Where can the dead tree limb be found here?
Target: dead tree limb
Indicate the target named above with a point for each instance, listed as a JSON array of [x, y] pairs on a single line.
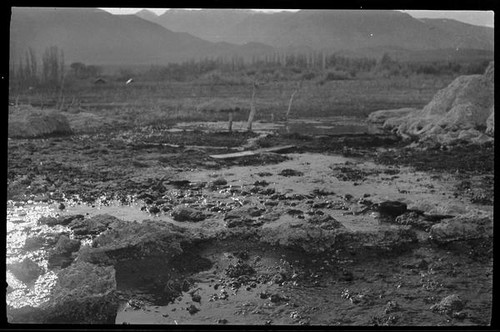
[[287, 115], [252, 107]]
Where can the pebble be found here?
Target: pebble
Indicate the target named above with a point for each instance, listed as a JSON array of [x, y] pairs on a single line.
[[192, 309]]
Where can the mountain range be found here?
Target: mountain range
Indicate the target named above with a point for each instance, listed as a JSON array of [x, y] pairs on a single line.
[[98, 37], [325, 29], [94, 36]]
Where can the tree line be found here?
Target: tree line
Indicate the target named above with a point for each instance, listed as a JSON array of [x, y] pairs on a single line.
[[28, 74], [52, 72], [309, 66]]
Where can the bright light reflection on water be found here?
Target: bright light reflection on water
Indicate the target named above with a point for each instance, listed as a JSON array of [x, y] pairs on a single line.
[[21, 224]]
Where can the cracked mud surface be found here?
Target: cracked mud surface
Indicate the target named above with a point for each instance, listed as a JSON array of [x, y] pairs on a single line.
[[279, 238]]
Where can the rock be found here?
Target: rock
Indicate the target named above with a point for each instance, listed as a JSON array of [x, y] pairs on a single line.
[[464, 105], [192, 309], [129, 240], [314, 239], [61, 206], [184, 213], [262, 183], [294, 212], [26, 270], [326, 222], [290, 172], [84, 294], [382, 116], [320, 205], [391, 209], [243, 216], [490, 122], [47, 221], [218, 182], [420, 264], [322, 192], [62, 220], [66, 220], [34, 243], [264, 174], [462, 228], [391, 306], [66, 246], [42, 241], [154, 210], [240, 269], [243, 223], [346, 276], [276, 298], [180, 183], [92, 226], [268, 191], [60, 256], [30, 122], [413, 219], [251, 211], [41, 198], [449, 304]]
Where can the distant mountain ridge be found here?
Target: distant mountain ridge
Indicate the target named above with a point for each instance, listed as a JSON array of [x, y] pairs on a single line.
[[98, 37], [328, 29], [94, 36]]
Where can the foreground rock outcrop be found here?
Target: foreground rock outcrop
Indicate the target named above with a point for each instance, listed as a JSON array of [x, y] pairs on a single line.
[[462, 228], [28, 122], [463, 111], [84, 294]]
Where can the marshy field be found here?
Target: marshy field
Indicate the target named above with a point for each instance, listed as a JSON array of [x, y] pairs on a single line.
[[145, 103], [149, 212]]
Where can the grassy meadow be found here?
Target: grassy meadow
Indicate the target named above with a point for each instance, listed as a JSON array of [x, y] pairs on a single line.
[[115, 104]]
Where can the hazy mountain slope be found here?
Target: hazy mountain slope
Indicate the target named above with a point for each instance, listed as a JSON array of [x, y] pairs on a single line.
[[465, 35], [97, 37], [147, 15], [213, 25], [328, 29]]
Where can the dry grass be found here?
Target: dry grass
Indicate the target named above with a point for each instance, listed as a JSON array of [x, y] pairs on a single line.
[[115, 104]]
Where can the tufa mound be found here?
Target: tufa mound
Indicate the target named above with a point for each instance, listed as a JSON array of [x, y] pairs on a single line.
[[461, 111], [28, 122]]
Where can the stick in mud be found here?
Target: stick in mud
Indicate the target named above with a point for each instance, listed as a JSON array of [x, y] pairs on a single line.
[[252, 107]]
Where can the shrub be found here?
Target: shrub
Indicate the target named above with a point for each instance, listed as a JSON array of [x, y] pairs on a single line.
[[336, 75], [308, 76]]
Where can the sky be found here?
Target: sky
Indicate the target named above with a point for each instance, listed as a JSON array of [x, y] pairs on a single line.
[[485, 18]]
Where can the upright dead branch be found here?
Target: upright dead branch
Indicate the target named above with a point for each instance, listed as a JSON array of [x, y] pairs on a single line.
[[252, 107], [287, 115], [230, 122], [60, 99]]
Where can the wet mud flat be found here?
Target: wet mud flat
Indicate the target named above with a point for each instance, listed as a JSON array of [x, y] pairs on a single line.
[[260, 285], [162, 233]]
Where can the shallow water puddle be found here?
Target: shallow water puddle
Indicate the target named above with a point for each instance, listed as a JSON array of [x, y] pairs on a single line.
[[318, 126]]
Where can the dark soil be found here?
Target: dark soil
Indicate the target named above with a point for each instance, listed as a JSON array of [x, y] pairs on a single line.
[[463, 159], [104, 164], [356, 144], [240, 280], [273, 286]]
